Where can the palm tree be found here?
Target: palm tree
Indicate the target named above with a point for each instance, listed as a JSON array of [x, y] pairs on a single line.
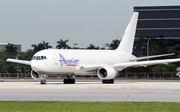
[[27, 55], [38, 47], [113, 45], [175, 49], [11, 49], [62, 44], [139, 45], [173, 42], [91, 46], [41, 46], [46, 45], [161, 45]]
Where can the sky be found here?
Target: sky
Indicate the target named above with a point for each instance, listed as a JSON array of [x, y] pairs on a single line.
[[80, 21]]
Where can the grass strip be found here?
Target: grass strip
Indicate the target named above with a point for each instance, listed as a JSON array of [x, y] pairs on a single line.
[[53, 106]]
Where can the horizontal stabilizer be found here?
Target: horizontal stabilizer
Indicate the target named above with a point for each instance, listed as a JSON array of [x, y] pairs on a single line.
[[148, 57], [146, 63]]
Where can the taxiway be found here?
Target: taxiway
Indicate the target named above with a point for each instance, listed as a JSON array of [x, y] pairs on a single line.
[[91, 91]]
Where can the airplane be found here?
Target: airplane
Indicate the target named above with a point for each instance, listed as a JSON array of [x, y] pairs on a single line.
[[104, 63]]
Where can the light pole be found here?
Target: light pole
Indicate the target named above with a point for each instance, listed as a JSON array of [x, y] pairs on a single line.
[[148, 48]]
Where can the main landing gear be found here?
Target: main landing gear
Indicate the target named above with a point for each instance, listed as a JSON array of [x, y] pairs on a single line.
[[69, 80], [110, 81], [43, 81]]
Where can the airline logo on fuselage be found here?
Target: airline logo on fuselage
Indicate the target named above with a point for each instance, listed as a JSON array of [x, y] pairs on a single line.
[[69, 62]]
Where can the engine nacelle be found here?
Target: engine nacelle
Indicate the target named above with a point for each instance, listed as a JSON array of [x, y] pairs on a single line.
[[107, 73], [34, 75], [37, 76]]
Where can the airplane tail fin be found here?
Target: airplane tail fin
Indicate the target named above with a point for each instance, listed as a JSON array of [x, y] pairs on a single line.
[[127, 41]]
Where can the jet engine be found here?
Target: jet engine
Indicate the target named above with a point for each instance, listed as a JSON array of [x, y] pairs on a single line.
[[37, 76], [107, 73]]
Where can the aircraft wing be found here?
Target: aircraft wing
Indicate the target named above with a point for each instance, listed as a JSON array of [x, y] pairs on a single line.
[[19, 61], [132, 64]]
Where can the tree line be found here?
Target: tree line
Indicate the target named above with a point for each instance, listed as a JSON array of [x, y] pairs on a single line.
[[156, 46]]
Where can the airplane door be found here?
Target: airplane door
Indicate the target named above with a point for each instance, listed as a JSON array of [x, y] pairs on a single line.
[[55, 59]]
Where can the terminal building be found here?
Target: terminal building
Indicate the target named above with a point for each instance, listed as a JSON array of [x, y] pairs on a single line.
[[161, 22], [3, 45]]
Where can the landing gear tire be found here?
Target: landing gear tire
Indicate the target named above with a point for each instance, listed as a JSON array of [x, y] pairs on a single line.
[[43, 81], [69, 81], [111, 81]]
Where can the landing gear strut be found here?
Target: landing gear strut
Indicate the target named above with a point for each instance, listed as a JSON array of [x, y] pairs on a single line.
[[110, 81], [43, 78], [69, 80], [43, 81]]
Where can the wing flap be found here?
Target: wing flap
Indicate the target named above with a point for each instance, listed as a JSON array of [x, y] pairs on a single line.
[[19, 61]]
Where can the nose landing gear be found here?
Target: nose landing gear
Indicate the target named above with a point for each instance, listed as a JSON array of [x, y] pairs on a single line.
[[43, 78]]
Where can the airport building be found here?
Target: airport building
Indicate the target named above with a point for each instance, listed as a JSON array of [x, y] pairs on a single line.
[[3, 45], [161, 22]]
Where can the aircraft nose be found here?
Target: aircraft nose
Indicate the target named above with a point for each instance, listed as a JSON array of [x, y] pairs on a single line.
[[36, 65]]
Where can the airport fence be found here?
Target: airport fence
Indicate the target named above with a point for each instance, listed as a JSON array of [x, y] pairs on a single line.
[[120, 76]]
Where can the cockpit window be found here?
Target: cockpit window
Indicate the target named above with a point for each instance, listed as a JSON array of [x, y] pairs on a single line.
[[33, 57], [42, 57], [45, 57], [39, 58]]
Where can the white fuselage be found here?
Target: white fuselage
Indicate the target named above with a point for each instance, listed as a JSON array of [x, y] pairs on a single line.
[[69, 61]]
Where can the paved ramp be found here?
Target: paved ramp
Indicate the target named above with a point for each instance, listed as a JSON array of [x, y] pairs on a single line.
[[91, 91]]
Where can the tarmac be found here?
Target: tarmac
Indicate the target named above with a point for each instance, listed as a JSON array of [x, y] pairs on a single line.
[[91, 91]]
